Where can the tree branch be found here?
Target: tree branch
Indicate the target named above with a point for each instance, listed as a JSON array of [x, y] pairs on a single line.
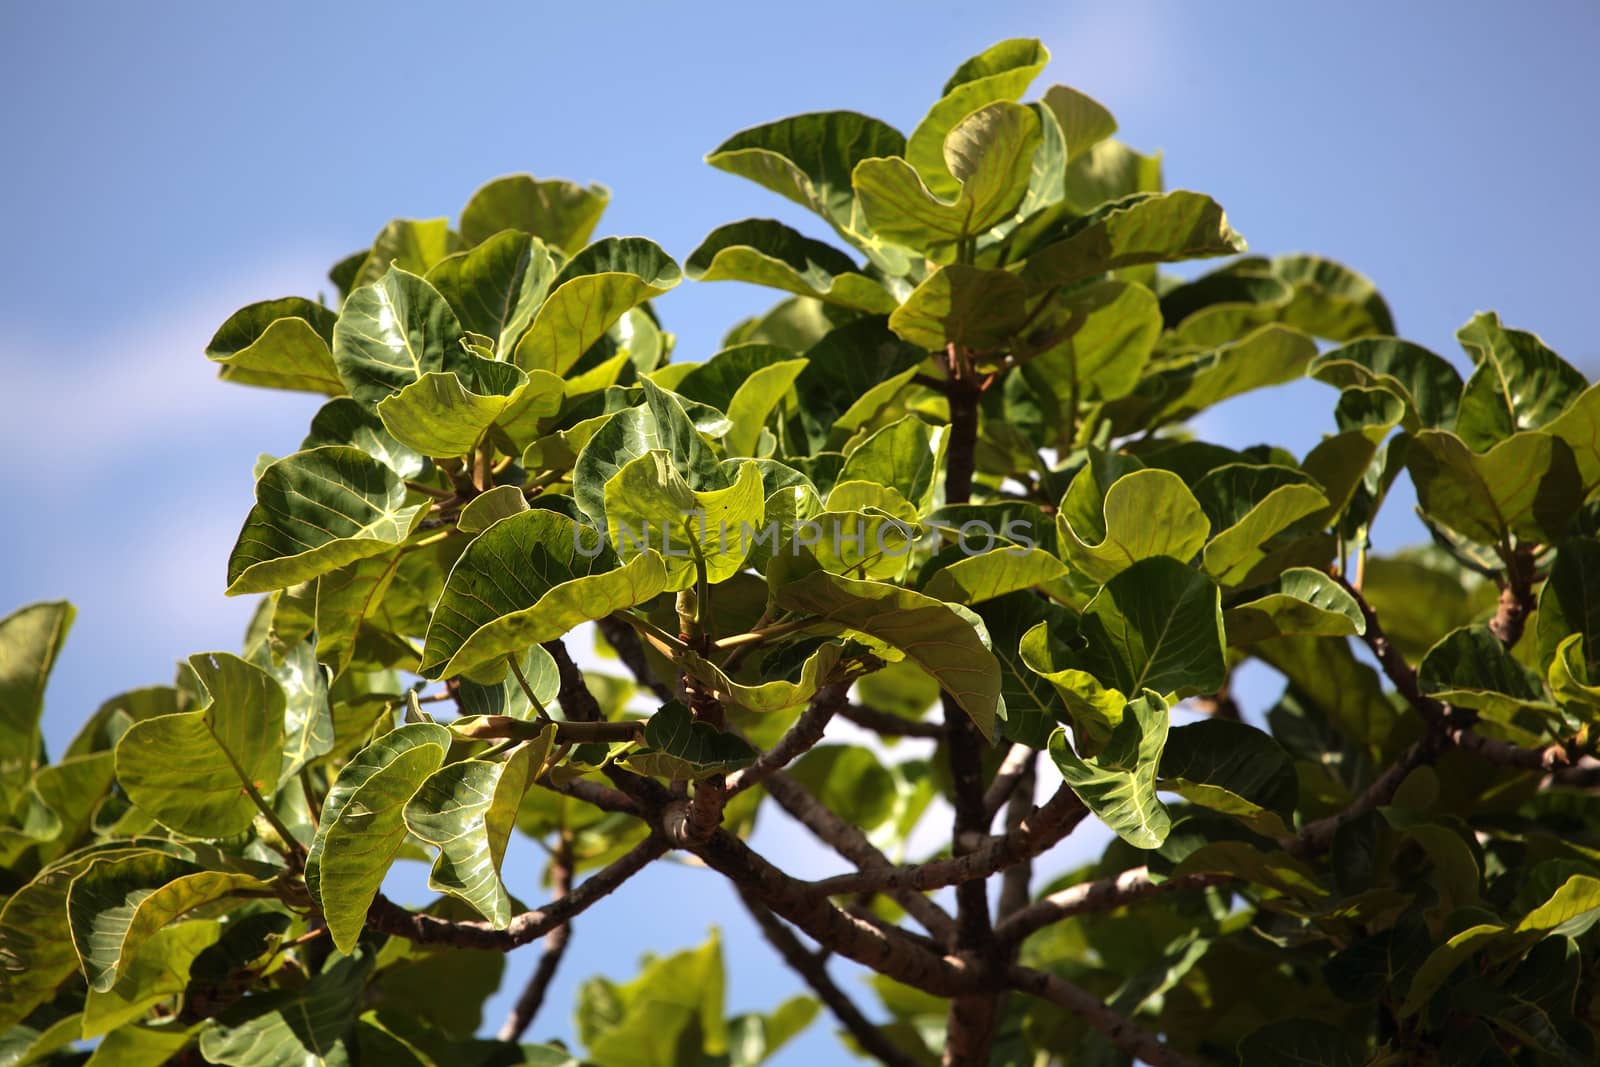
[[813, 969], [852, 844], [555, 946], [1015, 883], [579, 705], [1017, 759], [1123, 1033], [806, 732], [887, 725], [385, 916], [1038, 831], [1103, 894]]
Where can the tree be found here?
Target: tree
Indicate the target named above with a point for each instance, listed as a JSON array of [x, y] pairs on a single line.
[[941, 491]]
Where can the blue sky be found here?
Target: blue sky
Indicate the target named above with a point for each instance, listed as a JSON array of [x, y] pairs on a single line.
[[168, 165]]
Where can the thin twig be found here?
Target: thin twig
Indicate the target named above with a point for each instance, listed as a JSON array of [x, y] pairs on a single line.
[[805, 733], [555, 946]]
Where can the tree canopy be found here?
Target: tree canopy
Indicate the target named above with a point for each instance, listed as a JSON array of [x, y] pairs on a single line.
[[944, 492]]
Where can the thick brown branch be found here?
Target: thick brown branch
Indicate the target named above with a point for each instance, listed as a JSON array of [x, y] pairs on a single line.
[[387, 917], [1038, 831], [555, 946], [806, 732], [1015, 883], [813, 970], [1516, 598], [888, 952], [601, 796], [1123, 1033], [852, 844]]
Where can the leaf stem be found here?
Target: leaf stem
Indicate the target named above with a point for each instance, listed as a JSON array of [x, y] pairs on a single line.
[[522, 680]]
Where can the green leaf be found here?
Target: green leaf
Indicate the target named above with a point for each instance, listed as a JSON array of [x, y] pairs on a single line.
[[189, 771], [30, 640], [1084, 121], [1331, 300], [344, 421], [496, 288], [363, 824], [490, 506], [650, 508], [766, 252], [308, 1027], [562, 214], [1470, 668], [1579, 427], [974, 579], [809, 158], [1444, 960], [1119, 784], [941, 641], [1301, 601], [969, 307], [160, 970], [467, 810], [348, 600], [1033, 707], [906, 455], [412, 245], [594, 289], [1294, 1042], [1156, 626], [315, 512], [988, 154], [1571, 911], [1098, 339], [1249, 506], [821, 667], [1519, 383], [1569, 605], [391, 333], [855, 370], [1526, 485], [142, 1045], [529, 579], [441, 415], [1428, 384], [850, 781], [1187, 386], [1161, 228], [1142, 515], [677, 746], [671, 1014], [1232, 768], [117, 906], [1000, 73], [280, 344]]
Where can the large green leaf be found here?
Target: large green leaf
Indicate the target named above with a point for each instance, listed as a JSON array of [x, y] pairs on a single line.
[[467, 810], [1033, 706], [1233, 768], [30, 640], [809, 158], [766, 252], [315, 512], [1569, 604], [560, 213], [941, 641], [1527, 485], [496, 288], [1331, 300], [677, 746], [1185, 387], [190, 771], [1084, 121], [161, 970], [1428, 384], [829, 663], [281, 344], [1096, 340], [527, 579], [1146, 229], [850, 781], [1140, 515], [439, 414], [345, 421], [1249, 506], [412, 245], [1000, 73], [307, 717], [308, 1027], [988, 153], [391, 333], [1302, 600], [969, 307], [593, 290], [997, 572], [1119, 784], [651, 509], [117, 906], [1519, 383], [907, 456], [671, 1014], [1157, 626], [363, 824], [856, 367], [1471, 668]]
